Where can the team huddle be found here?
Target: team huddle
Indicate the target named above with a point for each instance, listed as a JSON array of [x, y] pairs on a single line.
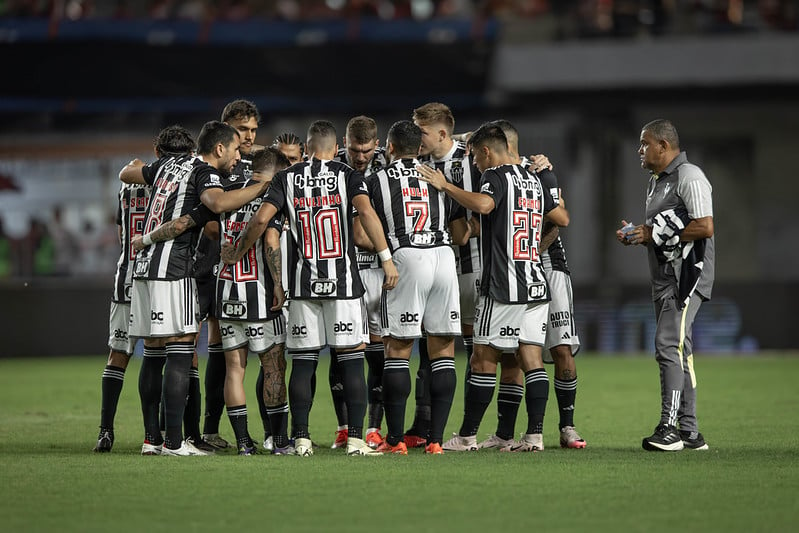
[[287, 249]]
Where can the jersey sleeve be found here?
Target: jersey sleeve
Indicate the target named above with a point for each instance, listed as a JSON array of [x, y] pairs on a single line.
[[549, 181], [149, 171], [696, 192], [356, 184], [276, 193], [201, 215], [493, 184], [207, 177]]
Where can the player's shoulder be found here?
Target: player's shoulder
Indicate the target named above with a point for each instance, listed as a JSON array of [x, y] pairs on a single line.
[[460, 151]]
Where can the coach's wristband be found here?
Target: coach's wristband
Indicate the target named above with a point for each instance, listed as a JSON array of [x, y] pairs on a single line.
[[146, 239], [384, 255]]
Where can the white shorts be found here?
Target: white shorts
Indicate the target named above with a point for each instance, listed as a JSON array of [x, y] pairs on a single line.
[[258, 337], [561, 328], [118, 324], [372, 279], [313, 324], [426, 295], [164, 308], [470, 289], [504, 326]]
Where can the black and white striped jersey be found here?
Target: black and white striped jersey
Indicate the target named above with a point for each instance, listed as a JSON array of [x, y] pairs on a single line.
[[316, 197], [177, 183], [414, 214], [379, 160], [458, 168], [510, 235], [554, 257], [244, 290], [366, 259], [131, 214]]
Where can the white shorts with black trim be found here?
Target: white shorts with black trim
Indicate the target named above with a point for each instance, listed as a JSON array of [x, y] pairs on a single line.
[[313, 324], [469, 285], [504, 326], [561, 329], [118, 324], [161, 308], [426, 295], [372, 279], [257, 337]]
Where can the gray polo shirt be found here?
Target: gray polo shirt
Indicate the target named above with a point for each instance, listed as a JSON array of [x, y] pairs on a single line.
[[681, 184]]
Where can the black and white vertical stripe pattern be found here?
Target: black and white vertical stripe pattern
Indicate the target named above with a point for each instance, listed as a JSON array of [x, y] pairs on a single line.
[[413, 213], [133, 201], [674, 407], [244, 291], [484, 322], [316, 196], [457, 167], [517, 219]]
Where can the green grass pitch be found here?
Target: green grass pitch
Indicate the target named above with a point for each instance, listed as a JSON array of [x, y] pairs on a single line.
[[747, 481]]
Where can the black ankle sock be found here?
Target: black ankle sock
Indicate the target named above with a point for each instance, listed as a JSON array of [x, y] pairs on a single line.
[[279, 418], [215, 372], [421, 419], [536, 394], [191, 415], [238, 420], [337, 389], [508, 400], [150, 383], [374, 383], [113, 379], [478, 398], [352, 377], [262, 410], [442, 389], [176, 389], [396, 389], [566, 393], [303, 368]]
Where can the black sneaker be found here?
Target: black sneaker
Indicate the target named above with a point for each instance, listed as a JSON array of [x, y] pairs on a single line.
[[693, 440], [664, 439], [104, 441]]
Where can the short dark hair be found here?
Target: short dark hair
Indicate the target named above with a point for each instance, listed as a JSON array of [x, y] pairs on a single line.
[[269, 157], [323, 134], [491, 135], [240, 110], [287, 137], [361, 129], [406, 138], [213, 133], [510, 131], [663, 130], [174, 140]]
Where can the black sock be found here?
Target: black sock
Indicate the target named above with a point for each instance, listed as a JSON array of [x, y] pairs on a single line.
[[421, 418], [279, 420], [113, 379], [396, 389], [468, 345], [443, 381], [374, 383], [176, 389], [478, 398], [566, 393], [238, 419], [150, 382], [215, 372], [351, 368], [536, 394], [191, 415], [337, 389], [508, 401], [303, 368], [259, 395]]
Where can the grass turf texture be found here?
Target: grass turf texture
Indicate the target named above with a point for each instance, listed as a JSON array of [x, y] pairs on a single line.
[[747, 481]]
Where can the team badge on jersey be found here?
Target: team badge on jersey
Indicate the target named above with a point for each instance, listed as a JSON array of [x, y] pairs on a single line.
[[456, 171]]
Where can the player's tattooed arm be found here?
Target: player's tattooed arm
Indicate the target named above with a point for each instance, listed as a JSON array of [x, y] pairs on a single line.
[[551, 232], [164, 232], [232, 254], [275, 264]]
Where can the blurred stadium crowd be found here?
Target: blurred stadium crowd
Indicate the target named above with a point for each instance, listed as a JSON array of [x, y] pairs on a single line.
[[573, 18]]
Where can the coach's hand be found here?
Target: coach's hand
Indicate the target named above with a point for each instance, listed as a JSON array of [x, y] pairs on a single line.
[[391, 275]]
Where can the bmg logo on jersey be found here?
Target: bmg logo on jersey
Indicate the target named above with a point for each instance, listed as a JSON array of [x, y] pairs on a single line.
[[298, 330], [342, 328], [234, 309], [326, 180], [508, 331], [409, 318], [323, 287]]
